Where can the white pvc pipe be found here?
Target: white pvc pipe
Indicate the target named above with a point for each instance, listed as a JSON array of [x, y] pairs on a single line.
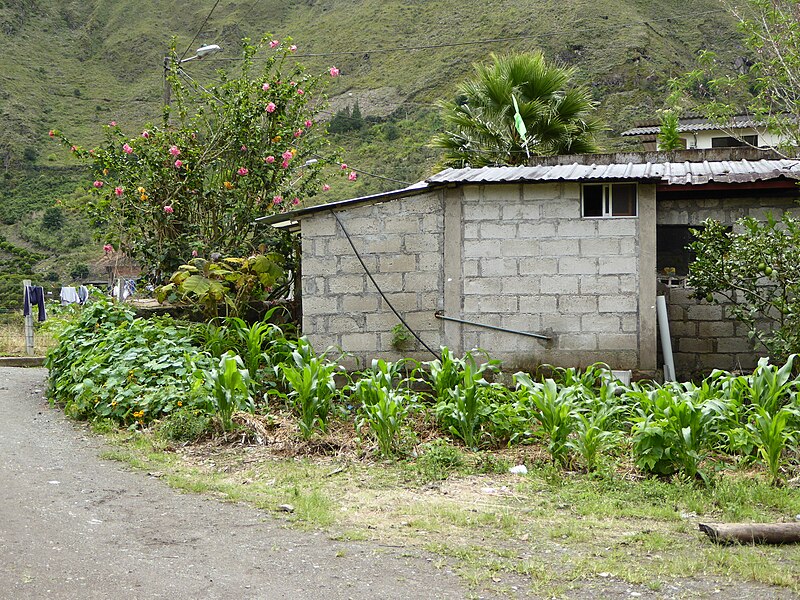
[[666, 341]]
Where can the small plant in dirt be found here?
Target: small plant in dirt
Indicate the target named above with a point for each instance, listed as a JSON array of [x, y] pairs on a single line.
[[312, 387], [184, 425], [228, 384], [438, 460], [384, 404]]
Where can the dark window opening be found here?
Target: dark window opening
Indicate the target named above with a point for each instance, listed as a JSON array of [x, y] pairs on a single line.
[[732, 142]]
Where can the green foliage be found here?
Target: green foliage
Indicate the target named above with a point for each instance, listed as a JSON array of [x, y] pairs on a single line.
[[232, 283], [229, 387], [756, 268], [401, 336], [233, 152], [553, 409], [668, 136], [480, 128], [384, 404], [79, 271], [312, 387], [109, 364], [463, 409], [438, 460], [53, 218], [184, 425]]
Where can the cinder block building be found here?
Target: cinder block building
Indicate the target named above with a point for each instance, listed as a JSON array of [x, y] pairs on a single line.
[[572, 250]]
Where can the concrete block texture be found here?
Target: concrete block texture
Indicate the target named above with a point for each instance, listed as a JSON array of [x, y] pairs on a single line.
[[538, 266], [618, 304]]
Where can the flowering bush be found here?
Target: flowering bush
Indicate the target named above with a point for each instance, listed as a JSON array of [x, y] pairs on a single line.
[[199, 182]]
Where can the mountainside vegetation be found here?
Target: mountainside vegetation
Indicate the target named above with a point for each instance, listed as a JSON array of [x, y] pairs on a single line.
[[76, 66]]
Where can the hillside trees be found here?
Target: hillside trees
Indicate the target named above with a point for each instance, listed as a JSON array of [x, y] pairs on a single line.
[[556, 116], [245, 147]]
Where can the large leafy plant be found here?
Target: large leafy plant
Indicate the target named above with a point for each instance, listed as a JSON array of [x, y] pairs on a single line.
[[230, 283]]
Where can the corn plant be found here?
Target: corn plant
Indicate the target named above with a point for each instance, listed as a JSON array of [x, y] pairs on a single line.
[[770, 387], [312, 387], [447, 372], [229, 387], [594, 434], [671, 432], [462, 409], [382, 407], [772, 435], [253, 340], [553, 408]]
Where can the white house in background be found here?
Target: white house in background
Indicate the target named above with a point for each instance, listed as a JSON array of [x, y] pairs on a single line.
[[699, 133]]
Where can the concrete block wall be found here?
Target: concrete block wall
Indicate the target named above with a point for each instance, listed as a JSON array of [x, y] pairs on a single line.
[[401, 244], [532, 263], [704, 336]]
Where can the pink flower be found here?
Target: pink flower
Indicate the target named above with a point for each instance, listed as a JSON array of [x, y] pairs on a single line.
[[352, 176], [168, 209], [344, 166], [119, 191], [145, 134], [98, 184], [274, 44], [73, 148], [285, 164], [51, 133], [271, 107], [265, 87], [292, 83], [309, 123], [287, 155], [113, 123], [178, 164], [174, 150], [298, 133], [242, 171], [333, 71], [270, 159], [292, 48], [126, 149], [326, 187], [295, 201], [194, 253], [277, 200], [300, 92], [244, 148], [107, 248]]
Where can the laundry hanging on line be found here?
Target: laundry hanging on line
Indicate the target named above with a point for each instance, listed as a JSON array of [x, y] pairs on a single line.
[[34, 295]]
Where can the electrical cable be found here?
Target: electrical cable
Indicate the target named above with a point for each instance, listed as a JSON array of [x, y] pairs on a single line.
[[185, 52], [377, 287]]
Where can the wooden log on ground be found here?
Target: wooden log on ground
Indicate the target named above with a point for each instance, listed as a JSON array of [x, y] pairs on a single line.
[[752, 533]]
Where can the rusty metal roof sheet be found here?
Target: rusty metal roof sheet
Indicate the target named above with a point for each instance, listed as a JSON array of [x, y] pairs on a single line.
[[672, 173]]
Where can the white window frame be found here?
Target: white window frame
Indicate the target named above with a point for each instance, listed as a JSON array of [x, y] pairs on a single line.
[[608, 200]]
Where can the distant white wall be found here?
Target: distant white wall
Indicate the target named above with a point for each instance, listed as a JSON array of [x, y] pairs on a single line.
[[701, 140]]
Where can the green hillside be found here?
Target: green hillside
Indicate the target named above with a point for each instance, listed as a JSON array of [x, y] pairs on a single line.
[[76, 65]]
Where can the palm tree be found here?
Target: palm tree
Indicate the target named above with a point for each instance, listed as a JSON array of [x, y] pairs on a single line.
[[481, 126]]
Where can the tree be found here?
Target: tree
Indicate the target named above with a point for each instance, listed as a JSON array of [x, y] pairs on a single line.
[[556, 117], [755, 268], [668, 135], [53, 218], [766, 84], [244, 148]]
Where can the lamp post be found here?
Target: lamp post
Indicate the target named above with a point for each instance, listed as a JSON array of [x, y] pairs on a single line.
[[199, 54]]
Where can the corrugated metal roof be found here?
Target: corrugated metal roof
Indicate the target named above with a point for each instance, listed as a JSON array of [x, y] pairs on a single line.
[[672, 173], [698, 124]]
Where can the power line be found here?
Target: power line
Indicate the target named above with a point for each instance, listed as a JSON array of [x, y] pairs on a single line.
[[185, 52]]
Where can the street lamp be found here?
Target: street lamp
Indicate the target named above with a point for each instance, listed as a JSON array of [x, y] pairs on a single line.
[[199, 54]]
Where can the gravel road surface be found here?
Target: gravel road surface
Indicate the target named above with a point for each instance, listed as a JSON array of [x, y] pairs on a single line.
[[75, 526]]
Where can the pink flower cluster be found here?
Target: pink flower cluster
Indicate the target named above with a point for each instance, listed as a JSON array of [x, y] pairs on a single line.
[[107, 248], [174, 150], [271, 107], [242, 171], [178, 164], [98, 184], [270, 159], [126, 148], [352, 176], [333, 71], [119, 191], [274, 44], [168, 209]]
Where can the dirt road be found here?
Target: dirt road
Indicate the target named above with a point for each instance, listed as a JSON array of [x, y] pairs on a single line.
[[75, 526]]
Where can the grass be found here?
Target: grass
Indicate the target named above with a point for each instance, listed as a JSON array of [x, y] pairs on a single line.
[[542, 531], [12, 340]]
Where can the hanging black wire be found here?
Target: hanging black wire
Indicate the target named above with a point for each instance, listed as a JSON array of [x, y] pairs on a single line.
[[380, 291]]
